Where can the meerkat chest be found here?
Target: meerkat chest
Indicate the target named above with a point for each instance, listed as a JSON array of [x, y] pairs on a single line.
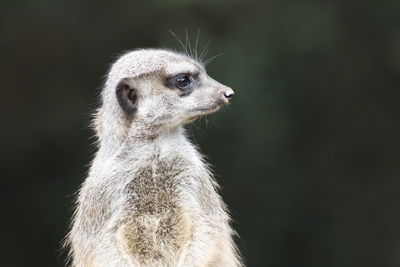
[[163, 208], [165, 173], [160, 186]]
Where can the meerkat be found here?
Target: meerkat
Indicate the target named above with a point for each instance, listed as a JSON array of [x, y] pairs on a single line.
[[150, 198]]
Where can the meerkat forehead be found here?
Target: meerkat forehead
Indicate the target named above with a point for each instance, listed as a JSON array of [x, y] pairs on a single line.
[[146, 61], [182, 67]]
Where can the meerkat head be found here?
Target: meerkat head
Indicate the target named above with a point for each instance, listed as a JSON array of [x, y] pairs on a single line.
[[158, 89]]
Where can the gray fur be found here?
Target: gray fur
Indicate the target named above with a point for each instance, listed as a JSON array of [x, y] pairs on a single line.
[[150, 199]]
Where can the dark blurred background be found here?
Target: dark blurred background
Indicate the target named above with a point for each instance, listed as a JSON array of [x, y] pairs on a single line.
[[307, 155]]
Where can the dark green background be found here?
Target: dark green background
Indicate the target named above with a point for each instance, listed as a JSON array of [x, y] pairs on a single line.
[[307, 155]]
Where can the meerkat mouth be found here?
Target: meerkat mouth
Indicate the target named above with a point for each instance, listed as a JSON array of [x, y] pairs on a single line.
[[206, 111], [201, 112]]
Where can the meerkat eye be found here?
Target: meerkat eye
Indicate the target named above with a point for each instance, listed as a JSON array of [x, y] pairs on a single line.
[[182, 81], [185, 82]]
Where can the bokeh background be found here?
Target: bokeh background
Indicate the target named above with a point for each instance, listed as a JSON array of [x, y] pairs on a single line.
[[308, 154]]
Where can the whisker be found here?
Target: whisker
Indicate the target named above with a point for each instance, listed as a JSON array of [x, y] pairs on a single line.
[[211, 59], [195, 46], [179, 40], [188, 42], [204, 51]]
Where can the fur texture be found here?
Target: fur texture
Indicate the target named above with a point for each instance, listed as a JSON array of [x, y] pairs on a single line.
[[150, 199]]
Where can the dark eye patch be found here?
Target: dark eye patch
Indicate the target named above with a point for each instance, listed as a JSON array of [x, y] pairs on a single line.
[[185, 82]]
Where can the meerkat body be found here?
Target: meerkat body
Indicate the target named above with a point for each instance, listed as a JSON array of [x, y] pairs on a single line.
[[150, 199]]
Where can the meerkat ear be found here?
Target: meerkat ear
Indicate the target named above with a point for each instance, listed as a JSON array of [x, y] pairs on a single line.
[[127, 97]]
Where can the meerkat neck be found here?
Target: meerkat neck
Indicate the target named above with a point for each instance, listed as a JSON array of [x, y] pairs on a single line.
[[171, 138], [140, 136]]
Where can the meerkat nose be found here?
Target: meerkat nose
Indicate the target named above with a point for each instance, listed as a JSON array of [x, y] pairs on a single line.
[[228, 93]]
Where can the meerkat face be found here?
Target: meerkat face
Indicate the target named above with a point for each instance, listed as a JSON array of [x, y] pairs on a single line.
[[177, 92]]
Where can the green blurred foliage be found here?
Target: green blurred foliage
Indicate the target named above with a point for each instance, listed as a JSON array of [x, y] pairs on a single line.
[[307, 154]]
